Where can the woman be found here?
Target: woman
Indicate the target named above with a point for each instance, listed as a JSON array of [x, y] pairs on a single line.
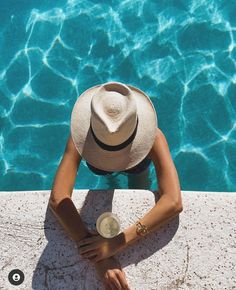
[[114, 128]]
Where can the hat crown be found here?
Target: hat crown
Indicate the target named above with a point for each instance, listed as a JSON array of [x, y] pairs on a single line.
[[114, 104], [113, 113]]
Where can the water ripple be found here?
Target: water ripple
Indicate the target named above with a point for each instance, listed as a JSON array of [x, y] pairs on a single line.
[[181, 53]]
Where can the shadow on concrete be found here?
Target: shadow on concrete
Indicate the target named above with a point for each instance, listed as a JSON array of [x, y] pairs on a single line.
[[143, 248], [60, 266]]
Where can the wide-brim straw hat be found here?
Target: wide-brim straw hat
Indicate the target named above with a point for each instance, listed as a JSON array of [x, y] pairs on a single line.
[[113, 126]]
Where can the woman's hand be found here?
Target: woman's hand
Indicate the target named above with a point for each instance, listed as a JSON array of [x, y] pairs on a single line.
[[111, 274], [96, 248]]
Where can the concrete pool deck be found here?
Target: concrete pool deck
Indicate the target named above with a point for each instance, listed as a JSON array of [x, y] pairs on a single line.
[[195, 250]]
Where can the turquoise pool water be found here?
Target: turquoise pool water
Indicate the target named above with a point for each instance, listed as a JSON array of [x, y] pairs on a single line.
[[181, 53]]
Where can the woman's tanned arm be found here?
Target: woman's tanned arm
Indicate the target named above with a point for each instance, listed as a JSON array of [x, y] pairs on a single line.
[[60, 199], [169, 204]]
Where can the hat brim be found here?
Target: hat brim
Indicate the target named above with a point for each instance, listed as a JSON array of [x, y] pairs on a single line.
[[122, 159]]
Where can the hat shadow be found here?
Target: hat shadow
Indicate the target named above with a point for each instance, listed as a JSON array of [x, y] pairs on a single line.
[[60, 265]]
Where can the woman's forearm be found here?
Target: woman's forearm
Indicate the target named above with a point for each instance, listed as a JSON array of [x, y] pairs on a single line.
[[60, 199], [169, 205], [163, 211], [68, 216]]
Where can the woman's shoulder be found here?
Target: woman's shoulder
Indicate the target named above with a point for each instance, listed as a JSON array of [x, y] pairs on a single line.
[[71, 150], [160, 154], [160, 148], [158, 132]]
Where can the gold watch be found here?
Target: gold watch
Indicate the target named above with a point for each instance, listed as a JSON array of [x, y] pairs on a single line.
[[141, 229]]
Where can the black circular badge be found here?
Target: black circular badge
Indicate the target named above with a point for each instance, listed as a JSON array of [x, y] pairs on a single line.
[[16, 277]]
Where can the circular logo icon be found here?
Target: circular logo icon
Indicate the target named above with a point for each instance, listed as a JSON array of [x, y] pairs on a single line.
[[16, 277]]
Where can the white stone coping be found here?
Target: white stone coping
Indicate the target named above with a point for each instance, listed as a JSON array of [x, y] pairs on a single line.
[[195, 250]]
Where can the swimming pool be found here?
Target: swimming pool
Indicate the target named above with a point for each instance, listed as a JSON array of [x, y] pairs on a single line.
[[182, 54]]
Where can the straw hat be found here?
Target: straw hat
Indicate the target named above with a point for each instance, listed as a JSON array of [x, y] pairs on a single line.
[[113, 126]]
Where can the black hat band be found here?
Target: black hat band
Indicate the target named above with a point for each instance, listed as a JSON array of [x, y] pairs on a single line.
[[115, 147]]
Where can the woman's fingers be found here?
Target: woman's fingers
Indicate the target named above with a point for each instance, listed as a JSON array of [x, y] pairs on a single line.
[[85, 249], [88, 241], [115, 286], [89, 255], [122, 279], [96, 259], [113, 280], [116, 280], [109, 285], [106, 282], [126, 282]]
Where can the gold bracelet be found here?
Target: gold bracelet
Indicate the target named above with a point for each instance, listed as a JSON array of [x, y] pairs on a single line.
[[141, 230]]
